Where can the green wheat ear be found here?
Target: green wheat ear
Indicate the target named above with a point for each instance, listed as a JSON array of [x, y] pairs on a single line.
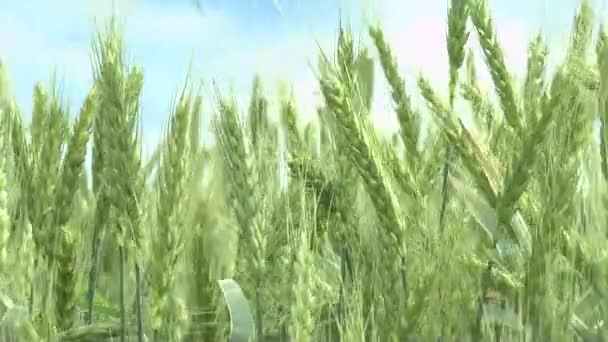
[[365, 79], [241, 320], [495, 61]]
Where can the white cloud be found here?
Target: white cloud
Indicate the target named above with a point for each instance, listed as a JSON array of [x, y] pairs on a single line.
[[176, 26], [31, 55], [292, 61], [417, 40], [23, 43], [165, 38], [419, 45]]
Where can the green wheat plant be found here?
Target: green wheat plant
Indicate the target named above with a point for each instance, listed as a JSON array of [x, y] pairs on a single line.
[[289, 229]]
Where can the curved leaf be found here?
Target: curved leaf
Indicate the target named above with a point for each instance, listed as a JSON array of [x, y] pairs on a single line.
[[241, 320]]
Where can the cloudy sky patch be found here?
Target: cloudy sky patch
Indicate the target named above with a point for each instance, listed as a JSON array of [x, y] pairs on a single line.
[[230, 41]]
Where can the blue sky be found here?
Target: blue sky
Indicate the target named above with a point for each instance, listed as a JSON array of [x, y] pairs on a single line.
[[229, 41]]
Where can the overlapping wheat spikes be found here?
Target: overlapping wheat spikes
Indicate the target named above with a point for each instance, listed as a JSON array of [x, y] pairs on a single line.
[[374, 238]]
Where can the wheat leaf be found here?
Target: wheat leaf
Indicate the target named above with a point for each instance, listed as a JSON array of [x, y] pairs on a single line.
[[241, 321]]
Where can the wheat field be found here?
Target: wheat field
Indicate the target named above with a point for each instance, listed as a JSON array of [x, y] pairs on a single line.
[[495, 231]]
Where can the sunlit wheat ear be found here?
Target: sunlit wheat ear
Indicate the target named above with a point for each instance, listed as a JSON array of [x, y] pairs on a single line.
[[168, 239], [439, 109], [456, 40], [65, 283], [496, 63], [409, 121], [490, 166], [119, 86], [535, 78], [99, 160], [4, 214], [457, 37], [453, 130], [236, 152], [243, 196], [47, 168], [71, 170], [581, 36], [73, 162], [602, 62], [363, 157], [289, 119], [302, 326], [481, 107], [365, 76], [362, 151], [39, 117], [518, 177], [345, 53], [258, 113]]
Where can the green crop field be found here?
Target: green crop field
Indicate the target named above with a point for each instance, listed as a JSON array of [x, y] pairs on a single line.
[[490, 231]]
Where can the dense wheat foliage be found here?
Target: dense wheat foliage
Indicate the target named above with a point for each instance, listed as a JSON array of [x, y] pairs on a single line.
[[495, 231]]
